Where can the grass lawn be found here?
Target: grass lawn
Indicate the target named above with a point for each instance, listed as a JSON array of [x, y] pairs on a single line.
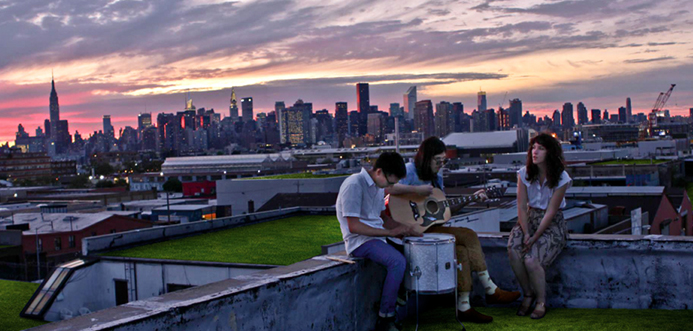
[[304, 175], [560, 319], [4, 246], [13, 297], [280, 242], [630, 162]]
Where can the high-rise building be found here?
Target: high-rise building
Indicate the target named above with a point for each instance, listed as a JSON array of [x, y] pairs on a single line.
[[458, 114], [556, 118], [280, 108], [515, 112], [325, 124], [395, 110], [481, 101], [582, 113], [247, 108], [596, 116], [363, 101], [354, 123], [567, 119], [410, 102], [298, 123], [490, 119], [144, 120], [629, 111], [107, 127], [605, 116], [233, 106], [54, 110], [423, 118], [376, 125], [622, 115], [341, 119], [444, 121]]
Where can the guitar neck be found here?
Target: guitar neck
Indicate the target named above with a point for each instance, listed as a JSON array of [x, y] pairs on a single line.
[[460, 200]]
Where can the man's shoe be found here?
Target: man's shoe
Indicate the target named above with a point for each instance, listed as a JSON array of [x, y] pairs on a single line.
[[386, 324], [473, 316], [502, 297], [402, 298]]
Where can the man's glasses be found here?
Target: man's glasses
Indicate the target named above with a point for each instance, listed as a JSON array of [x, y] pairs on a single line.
[[388, 180]]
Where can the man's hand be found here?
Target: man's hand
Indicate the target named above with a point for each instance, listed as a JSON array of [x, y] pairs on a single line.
[[482, 194], [424, 190], [404, 230]]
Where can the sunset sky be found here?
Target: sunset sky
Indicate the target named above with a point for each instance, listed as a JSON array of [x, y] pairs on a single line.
[[125, 57]]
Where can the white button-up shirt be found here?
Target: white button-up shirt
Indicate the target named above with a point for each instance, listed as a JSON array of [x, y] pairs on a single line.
[[539, 195], [359, 197]]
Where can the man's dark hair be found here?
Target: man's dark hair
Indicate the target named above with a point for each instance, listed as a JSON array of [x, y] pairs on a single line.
[[392, 164]]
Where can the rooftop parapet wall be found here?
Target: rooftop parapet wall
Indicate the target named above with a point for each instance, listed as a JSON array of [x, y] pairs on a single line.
[[594, 271], [313, 294], [607, 271]]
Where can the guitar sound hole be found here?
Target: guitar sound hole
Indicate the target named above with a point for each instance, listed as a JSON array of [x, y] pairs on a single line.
[[432, 207]]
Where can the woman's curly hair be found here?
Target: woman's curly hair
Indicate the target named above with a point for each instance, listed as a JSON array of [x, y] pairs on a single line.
[[555, 164]]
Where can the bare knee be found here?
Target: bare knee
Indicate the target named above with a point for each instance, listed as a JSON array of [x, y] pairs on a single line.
[[532, 263]]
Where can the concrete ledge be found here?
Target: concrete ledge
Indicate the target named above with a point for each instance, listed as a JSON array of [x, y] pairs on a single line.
[[310, 295], [606, 271]]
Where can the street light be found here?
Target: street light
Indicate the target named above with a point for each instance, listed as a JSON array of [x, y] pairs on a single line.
[[38, 261]]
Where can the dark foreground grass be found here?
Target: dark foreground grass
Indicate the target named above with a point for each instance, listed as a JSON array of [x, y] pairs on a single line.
[[280, 242], [560, 319], [13, 297]]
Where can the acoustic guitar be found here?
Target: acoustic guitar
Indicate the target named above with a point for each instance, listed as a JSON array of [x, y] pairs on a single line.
[[427, 211]]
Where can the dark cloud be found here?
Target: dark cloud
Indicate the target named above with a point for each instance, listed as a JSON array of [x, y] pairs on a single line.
[[662, 44], [663, 58]]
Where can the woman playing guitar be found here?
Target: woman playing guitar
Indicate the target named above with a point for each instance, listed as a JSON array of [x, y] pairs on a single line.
[[422, 177]]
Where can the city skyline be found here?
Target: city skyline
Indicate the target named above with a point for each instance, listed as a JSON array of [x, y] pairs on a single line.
[[121, 58]]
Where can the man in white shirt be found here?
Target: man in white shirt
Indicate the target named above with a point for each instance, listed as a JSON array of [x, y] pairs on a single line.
[[360, 205]]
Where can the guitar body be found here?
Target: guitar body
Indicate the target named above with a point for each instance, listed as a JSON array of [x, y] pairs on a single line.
[[424, 211]]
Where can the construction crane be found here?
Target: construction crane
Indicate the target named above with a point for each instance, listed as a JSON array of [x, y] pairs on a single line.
[[659, 104]]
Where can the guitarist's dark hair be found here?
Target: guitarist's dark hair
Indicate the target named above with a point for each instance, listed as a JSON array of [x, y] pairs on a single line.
[[392, 164], [555, 164], [429, 148]]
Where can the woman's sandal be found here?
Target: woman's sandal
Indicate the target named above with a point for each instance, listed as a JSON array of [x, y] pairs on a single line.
[[539, 313], [524, 310]]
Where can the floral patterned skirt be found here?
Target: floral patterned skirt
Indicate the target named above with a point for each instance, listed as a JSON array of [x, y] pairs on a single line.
[[551, 242]]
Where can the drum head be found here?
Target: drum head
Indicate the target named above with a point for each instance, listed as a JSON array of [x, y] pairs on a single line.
[[430, 238]]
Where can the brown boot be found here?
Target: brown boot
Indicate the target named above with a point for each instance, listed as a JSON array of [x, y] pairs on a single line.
[[473, 316], [502, 297]]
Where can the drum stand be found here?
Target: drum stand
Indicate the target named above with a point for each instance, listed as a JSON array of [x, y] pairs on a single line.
[[417, 273]]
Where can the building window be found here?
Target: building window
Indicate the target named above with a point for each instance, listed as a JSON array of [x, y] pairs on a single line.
[[71, 241], [58, 243]]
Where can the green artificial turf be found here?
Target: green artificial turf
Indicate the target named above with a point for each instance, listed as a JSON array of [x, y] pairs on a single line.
[[4, 246], [305, 175], [629, 162], [13, 297], [280, 242], [559, 319]]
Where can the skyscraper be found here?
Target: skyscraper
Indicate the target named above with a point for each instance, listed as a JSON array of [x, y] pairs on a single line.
[[596, 116], [54, 109], [423, 118], [233, 106], [107, 127], [341, 119], [410, 101], [567, 118], [444, 122], [622, 115], [458, 114], [629, 111], [280, 108], [556, 118], [582, 113], [395, 110], [247, 108], [481, 101], [363, 101], [515, 112]]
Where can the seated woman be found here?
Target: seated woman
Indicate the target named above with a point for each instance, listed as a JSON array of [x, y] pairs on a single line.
[[422, 176], [540, 233]]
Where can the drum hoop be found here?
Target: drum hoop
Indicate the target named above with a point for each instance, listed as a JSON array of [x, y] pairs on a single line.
[[437, 292], [429, 243]]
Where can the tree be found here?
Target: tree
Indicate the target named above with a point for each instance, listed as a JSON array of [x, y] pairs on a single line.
[[103, 169], [79, 181], [104, 184], [173, 185]]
